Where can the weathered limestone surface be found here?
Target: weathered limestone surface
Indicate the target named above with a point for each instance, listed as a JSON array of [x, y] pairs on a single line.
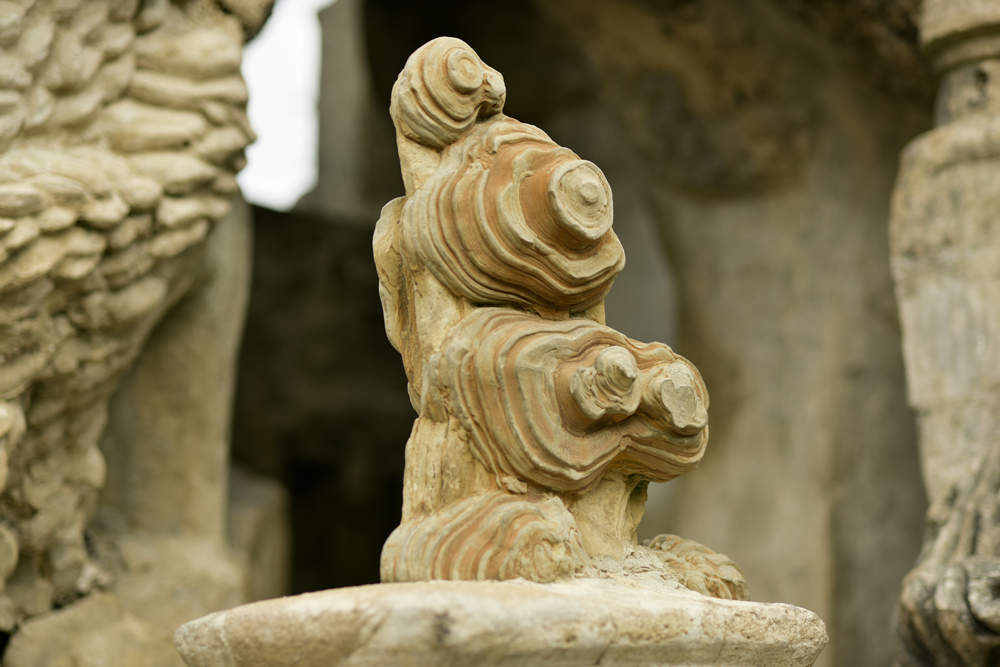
[[504, 624], [946, 254], [94, 632], [122, 125]]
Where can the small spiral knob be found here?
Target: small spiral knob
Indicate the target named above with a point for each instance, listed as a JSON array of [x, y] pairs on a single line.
[[616, 370], [464, 70], [580, 198], [608, 388]]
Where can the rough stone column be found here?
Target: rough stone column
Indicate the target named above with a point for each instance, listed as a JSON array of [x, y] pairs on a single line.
[[945, 236], [175, 482]]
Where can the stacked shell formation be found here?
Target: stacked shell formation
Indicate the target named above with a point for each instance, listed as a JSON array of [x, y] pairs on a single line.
[[508, 216], [493, 270]]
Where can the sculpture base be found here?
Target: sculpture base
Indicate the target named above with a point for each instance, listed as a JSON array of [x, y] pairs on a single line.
[[584, 622]]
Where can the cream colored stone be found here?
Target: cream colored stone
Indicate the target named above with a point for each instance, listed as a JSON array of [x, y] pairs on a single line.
[[203, 52], [947, 19], [512, 623], [56, 218], [221, 145], [174, 212], [119, 265], [105, 212], [19, 200], [139, 127], [173, 91], [178, 174], [169, 580], [96, 632]]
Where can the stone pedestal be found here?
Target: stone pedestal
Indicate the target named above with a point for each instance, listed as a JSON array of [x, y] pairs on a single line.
[[453, 623]]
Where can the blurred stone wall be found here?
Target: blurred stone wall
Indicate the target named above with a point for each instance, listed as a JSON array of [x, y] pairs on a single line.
[[752, 146], [770, 155]]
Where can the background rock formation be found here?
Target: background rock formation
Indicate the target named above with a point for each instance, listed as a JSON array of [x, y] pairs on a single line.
[[121, 130]]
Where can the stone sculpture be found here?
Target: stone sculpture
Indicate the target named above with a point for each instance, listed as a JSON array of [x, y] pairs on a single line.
[[122, 125], [945, 253], [539, 427]]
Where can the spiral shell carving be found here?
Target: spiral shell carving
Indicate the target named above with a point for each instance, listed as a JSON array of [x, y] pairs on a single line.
[[512, 218], [490, 537], [545, 435], [443, 90]]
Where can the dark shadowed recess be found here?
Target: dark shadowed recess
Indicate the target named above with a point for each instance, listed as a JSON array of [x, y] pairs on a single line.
[[542, 70], [321, 398]]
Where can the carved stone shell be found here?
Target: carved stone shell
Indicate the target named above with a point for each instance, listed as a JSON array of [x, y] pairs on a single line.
[[510, 217], [494, 536], [509, 377], [442, 90]]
